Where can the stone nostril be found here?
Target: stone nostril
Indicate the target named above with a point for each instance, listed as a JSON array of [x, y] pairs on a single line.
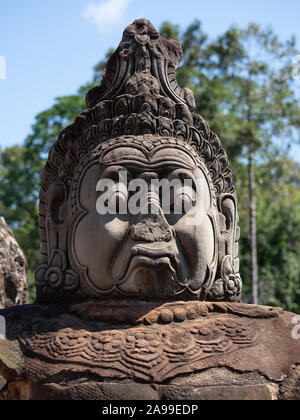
[[151, 224], [151, 230]]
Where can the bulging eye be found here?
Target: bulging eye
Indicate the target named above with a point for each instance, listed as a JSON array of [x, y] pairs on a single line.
[[184, 200], [118, 198]]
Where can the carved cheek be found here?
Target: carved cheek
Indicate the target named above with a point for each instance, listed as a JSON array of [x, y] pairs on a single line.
[[207, 240], [198, 244], [95, 237], [96, 240]]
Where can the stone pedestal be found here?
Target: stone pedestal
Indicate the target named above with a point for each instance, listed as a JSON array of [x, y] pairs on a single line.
[[125, 350]]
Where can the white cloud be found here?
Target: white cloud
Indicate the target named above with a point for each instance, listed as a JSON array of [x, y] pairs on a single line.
[[106, 13]]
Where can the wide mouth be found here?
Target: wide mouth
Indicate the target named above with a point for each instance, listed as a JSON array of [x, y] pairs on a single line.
[[153, 263], [160, 257]]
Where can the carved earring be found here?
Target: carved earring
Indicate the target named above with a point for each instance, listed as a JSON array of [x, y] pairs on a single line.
[[228, 285], [55, 278]]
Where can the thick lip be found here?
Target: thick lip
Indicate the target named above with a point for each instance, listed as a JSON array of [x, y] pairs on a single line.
[[142, 260], [151, 257]]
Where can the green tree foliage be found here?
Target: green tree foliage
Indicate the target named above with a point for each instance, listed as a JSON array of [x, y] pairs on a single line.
[[18, 197], [50, 123], [244, 88], [278, 239]]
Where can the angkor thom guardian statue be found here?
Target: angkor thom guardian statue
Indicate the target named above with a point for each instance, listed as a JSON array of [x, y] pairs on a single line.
[[143, 304]]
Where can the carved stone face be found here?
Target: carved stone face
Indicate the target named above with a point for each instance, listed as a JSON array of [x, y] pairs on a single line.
[[154, 253], [139, 122]]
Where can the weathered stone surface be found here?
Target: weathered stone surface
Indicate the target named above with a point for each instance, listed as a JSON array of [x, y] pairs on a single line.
[[13, 269], [139, 392], [64, 352], [290, 390], [224, 393]]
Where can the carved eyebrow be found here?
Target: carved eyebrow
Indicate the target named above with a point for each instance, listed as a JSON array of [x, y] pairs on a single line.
[[159, 164], [112, 172], [182, 175]]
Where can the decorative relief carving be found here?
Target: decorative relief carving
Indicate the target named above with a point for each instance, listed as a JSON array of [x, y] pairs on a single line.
[[56, 278], [57, 347], [153, 352]]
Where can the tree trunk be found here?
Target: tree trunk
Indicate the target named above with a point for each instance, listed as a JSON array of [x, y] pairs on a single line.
[[253, 230]]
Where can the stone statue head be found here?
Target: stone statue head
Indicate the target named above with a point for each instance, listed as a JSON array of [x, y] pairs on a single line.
[[137, 199]]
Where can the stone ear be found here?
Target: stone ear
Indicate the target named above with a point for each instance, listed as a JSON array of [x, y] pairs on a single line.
[[56, 198], [57, 218], [228, 284], [54, 278], [227, 204]]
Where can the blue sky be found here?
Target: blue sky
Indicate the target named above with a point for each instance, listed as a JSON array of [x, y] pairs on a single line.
[[50, 47]]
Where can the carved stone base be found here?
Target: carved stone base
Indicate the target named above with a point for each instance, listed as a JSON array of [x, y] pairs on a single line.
[[130, 350]]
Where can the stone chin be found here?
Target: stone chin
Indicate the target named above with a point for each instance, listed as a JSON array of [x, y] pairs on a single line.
[[150, 278]]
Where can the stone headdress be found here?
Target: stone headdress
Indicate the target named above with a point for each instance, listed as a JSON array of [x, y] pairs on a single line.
[[138, 96]]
